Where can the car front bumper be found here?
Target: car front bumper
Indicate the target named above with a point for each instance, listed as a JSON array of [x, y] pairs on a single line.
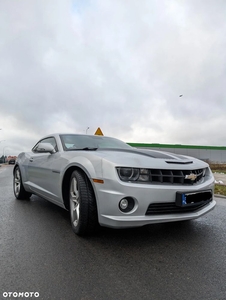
[[110, 193], [137, 221]]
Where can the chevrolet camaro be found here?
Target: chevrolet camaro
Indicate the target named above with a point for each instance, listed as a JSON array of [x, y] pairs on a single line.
[[104, 181]]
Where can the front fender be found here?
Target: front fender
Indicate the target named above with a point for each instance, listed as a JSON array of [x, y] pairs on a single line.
[[92, 168]]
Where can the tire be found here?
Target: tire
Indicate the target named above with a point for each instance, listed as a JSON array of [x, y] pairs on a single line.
[[18, 187], [83, 209]]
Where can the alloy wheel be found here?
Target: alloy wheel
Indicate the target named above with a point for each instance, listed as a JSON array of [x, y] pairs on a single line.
[[17, 182], [74, 202]]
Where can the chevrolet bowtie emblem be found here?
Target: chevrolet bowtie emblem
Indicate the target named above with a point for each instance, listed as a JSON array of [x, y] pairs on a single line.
[[191, 176]]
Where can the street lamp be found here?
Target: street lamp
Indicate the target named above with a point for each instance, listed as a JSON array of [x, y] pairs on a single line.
[[4, 153], [3, 148], [87, 129]]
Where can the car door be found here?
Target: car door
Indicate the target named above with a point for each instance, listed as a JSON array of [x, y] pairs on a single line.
[[43, 172]]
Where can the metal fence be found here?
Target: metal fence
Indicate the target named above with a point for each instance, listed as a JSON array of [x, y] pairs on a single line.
[[213, 154]]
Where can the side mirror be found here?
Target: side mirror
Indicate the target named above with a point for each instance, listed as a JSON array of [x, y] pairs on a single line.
[[45, 148]]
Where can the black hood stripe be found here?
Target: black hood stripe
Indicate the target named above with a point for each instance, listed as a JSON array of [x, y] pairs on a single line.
[[170, 158]]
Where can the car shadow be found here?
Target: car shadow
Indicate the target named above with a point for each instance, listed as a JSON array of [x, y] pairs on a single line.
[[179, 231]]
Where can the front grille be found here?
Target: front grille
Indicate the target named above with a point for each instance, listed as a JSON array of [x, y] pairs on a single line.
[[171, 208], [176, 176]]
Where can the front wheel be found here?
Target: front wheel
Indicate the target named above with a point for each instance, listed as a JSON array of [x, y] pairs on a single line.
[[18, 187], [83, 210]]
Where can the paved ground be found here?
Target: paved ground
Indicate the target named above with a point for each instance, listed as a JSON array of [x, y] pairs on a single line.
[[40, 253]]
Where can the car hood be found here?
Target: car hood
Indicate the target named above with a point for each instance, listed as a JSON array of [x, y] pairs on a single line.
[[149, 158]]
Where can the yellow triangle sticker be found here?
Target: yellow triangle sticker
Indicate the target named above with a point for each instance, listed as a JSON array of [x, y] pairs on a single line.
[[98, 132]]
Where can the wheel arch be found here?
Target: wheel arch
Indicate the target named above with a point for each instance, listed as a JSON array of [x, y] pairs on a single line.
[[66, 183], [21, 173], [14, 168]]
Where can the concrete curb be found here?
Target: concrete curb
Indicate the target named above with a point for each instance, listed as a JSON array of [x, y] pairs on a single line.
[[220, 196]]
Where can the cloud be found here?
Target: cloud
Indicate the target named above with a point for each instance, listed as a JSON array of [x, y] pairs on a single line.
[[118, 65]]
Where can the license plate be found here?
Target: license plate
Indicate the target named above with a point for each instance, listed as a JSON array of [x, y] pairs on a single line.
[[193, 198]]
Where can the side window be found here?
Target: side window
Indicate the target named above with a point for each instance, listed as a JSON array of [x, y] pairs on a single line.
[[50, 140]]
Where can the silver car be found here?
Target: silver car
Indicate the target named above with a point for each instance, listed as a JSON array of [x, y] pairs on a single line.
[[104, 181]]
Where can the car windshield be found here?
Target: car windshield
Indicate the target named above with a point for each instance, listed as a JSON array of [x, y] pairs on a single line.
[[90, 142]]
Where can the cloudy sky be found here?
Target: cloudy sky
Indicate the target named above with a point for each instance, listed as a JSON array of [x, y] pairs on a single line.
[[115, 64]]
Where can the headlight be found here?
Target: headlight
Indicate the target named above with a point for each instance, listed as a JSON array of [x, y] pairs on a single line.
[[128, 174], [133, 174]]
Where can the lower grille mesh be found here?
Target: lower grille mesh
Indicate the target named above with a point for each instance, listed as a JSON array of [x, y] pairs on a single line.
[[171, 208]]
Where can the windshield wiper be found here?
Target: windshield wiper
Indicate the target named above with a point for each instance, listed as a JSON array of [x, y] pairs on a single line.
[[86, 148]]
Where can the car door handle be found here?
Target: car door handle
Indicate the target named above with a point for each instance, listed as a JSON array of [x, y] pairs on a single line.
[[31, 159]]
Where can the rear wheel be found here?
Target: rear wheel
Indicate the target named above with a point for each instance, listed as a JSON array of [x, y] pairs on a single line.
[[83, 210], [18, 187]]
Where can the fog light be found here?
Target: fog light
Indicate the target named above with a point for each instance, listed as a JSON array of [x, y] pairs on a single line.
[[123, 204], [126, 204]]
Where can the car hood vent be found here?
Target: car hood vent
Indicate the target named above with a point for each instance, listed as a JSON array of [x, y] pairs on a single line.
[[181, 162]]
